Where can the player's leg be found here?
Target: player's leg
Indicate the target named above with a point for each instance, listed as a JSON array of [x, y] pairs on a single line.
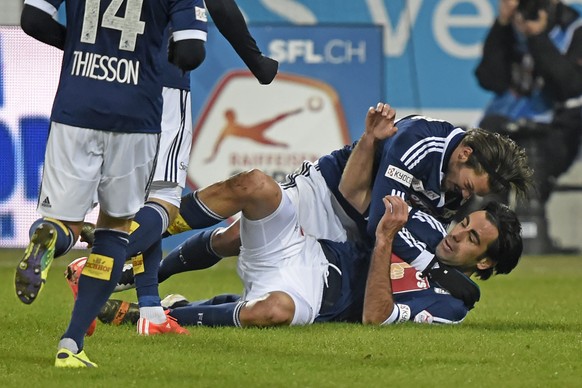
[[169, 177], [280, 267], [283, 266], [201, 251], [273, 309], [215, 203], [66, 165], [318, 215], [164, 201], [124, 174], [271, 239], [254, 193]]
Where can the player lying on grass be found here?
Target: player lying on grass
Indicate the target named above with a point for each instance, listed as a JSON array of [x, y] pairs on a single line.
[[432, 164], [332, 195], [474, 245], [293, 279]]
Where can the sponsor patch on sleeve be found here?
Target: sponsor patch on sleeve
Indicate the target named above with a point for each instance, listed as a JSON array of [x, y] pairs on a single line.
[[201, 14], [399, 175], [98, 267]]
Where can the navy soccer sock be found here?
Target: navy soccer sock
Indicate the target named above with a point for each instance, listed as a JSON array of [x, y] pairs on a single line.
[[202, 314], [102, 271], [65, 237], [146, 283], [193, 254], [193, 213], [151, 220]]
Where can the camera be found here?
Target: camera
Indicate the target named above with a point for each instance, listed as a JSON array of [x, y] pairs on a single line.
[[530, 8]]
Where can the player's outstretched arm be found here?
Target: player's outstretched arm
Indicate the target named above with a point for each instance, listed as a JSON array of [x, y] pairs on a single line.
[[231, 24], [356, 181], [41, 26], [379, 305]]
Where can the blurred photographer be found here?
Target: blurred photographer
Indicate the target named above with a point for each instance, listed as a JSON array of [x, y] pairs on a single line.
[[532, 62]]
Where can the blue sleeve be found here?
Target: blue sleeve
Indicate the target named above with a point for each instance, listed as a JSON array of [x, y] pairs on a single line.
[[429, 306], [181, 12], [416, 243]]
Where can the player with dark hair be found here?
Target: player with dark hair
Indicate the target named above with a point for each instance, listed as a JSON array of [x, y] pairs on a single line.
[[471, 246], [284, 289], [430, 163], [103, 141]]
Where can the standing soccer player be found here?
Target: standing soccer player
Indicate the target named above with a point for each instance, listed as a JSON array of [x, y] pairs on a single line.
[[103, 140], [169, 178]]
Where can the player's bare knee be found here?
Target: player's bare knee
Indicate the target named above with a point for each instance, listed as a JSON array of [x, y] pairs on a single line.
[[274, 309], [249, 184]]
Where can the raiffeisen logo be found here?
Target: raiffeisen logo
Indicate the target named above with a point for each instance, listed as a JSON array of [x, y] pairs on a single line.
[[245, 125]]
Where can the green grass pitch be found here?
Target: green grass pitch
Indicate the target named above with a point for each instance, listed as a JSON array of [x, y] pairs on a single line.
[[525, 332]]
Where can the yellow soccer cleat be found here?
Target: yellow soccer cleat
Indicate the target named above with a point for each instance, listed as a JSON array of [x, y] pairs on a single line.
[[67, 359], [33, 269]]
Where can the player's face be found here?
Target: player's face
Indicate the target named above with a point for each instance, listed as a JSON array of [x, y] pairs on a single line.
[[466, 244], [462, 179]]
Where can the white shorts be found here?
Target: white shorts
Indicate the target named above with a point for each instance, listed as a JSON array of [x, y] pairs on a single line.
[[175, 145], [277, 256], [318, 211], [82, 165]]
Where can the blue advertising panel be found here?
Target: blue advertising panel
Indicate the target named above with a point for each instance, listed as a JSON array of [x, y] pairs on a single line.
[[328, 77], [346, 57]]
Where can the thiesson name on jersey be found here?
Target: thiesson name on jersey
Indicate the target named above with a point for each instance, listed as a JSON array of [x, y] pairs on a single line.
[[105, 68]]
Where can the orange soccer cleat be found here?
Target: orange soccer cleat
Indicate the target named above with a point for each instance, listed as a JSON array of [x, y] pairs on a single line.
[[145, 327]]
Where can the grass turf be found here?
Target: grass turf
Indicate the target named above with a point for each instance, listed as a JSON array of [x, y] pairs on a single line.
[[525, 332]]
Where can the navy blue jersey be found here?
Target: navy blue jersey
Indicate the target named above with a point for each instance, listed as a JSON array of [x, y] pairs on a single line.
[[411, 164], [111, 73], [416, 298]]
